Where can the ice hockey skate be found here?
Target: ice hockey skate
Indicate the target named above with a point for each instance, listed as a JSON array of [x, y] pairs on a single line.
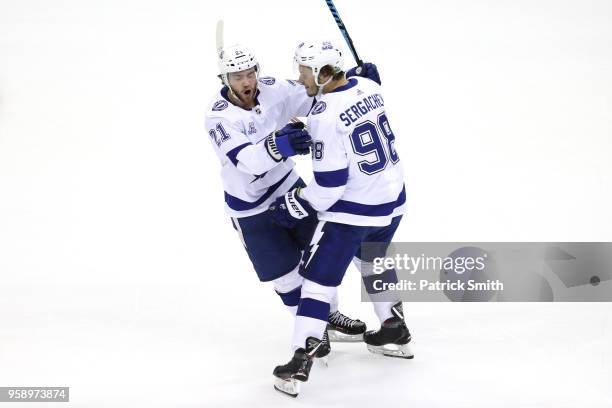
[[392, 338], [291, 375], [324, 349], [342, 328]]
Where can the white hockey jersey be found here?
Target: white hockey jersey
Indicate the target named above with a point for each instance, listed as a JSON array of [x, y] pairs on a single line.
[[358, 178], [252, 179]]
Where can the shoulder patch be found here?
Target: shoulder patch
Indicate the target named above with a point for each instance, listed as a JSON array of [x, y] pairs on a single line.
[[220, 105], [267, 80], [318, 108], [292, 82]]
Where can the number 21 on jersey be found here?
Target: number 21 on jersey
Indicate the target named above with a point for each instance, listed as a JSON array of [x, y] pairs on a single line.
[[219, 135]]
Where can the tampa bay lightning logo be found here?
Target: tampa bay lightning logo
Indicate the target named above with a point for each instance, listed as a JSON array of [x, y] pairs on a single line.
[[267, 80], [318, 108], [292, 82], [219, 105]]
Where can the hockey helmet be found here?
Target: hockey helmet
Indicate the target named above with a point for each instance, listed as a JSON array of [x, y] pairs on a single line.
[[235, 58], [316, 55]]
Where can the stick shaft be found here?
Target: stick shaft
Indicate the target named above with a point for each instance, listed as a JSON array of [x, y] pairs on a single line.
[[219, 36], [343, 30]]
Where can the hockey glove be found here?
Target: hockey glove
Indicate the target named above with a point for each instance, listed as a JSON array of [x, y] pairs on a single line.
[[367, 70], [291, 140], [289, 209]]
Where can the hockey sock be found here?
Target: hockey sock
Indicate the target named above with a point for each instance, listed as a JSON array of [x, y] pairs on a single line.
[[288, 288], [312, 313], [333, 305], [383, 310], [291, 299], [382, 300]]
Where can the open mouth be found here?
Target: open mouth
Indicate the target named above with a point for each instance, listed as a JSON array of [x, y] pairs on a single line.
[[247, 92]]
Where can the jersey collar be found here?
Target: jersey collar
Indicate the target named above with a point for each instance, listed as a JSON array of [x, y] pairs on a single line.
[[351, 83]]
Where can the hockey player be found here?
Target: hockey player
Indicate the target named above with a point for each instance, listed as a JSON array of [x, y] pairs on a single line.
[[242, 122], [358, 193]]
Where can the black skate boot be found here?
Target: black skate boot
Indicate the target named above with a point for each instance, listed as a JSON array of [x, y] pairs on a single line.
[[392, 338], [342, 328], [289, 376], [324, 348]]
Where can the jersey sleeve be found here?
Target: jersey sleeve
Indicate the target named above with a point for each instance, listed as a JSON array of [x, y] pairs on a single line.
[[297, 101], [232, 145], [329, 163]]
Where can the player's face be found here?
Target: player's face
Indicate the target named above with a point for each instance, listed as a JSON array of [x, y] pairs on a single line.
[[307, 79], [244, 84]]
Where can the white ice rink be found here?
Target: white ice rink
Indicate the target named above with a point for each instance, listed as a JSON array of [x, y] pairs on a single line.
[[121, 278]]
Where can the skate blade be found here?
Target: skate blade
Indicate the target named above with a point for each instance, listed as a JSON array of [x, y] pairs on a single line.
[[340, 337], [288, 387], [392, 350]]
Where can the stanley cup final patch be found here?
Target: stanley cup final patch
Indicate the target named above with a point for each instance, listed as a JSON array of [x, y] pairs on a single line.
[[293, 205]]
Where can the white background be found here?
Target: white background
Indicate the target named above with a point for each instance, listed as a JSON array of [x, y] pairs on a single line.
[[121, 277]]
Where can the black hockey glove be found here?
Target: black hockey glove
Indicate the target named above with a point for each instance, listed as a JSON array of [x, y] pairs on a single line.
[[289, 209]]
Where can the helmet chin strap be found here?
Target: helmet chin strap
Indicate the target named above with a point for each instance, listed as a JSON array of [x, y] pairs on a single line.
[[226, 82], [315, 74]]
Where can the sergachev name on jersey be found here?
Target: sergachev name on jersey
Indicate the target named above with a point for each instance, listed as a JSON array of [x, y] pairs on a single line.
[[356, 111]]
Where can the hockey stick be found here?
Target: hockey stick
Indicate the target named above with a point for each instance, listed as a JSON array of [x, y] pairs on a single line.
[[219, 37], [345, 33]]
